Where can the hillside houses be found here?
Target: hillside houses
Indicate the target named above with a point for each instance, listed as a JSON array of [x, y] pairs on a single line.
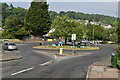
[[1, 29], [106, 26], [101, 24]]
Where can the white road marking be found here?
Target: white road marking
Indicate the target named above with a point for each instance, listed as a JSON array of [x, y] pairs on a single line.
[[46, 63], [55, 56], [22, 71]]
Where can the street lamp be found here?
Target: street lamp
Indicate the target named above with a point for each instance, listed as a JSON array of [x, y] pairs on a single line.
[[93, 33], [115, 32]]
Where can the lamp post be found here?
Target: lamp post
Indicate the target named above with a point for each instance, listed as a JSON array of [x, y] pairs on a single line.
[[93, 33], [115, 29]]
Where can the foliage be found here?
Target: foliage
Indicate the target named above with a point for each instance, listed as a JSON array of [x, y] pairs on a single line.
[[118, 52], [118, 31], [113, 36], [64, 27], [96, 17], [11, 10], [19, 12], [38, 19], [19, 22], [14, 28], [53, 15], [104, 42], [96, 32], [4, 12]]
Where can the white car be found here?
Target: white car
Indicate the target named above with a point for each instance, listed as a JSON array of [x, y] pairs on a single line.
[[10, 46]]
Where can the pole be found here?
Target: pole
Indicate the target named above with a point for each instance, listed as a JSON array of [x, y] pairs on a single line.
[[115, 29], [73, 51], [93, 35]]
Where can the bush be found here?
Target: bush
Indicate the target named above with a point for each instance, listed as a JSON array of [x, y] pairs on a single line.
[[104, 42], [118, 52]]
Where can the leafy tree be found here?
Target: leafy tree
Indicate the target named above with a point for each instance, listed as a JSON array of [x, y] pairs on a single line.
[[65, 27], [38, 19], [11, 10], [62, 13], [19, 12], [96, 17], [11, 6], [11, 21], [113, 36], [14, 28], [53, 15], [118, 31], [0, 14], [4, 12], [99, 32]]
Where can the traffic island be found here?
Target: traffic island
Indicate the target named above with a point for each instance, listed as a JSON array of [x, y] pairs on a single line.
[[58, 57], [65, 48], [61, 51]]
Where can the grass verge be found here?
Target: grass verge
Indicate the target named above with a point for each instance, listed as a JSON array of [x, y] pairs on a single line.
[[66, 48]]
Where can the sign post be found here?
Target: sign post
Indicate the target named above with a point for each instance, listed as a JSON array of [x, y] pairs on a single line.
[[73, 39]]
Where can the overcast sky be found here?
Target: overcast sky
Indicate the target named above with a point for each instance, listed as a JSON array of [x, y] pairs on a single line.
[[109, 7]]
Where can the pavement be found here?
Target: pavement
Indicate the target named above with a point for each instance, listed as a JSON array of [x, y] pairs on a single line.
[[9, 56], [102, 70]]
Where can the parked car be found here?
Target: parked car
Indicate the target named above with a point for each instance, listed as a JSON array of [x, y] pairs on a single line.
[[9, 46]]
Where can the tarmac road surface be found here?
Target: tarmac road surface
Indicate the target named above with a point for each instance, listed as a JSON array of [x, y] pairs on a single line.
[[36, 65]]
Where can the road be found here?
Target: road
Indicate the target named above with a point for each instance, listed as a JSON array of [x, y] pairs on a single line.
[[32, 64]]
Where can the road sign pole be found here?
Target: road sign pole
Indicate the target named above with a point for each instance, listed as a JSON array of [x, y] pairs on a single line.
[[73, 51], [73, 38]]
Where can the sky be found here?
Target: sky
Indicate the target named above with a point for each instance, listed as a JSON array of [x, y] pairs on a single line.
[[106, 7], [62, 0]]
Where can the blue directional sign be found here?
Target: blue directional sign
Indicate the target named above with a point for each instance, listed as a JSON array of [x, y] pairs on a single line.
[[60, 42], [54, 45]]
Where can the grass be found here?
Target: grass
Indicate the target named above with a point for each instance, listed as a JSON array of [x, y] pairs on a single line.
[[65, 47]]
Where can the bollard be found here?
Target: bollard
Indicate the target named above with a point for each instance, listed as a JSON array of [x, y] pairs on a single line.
[[114, 60], [61, 51]]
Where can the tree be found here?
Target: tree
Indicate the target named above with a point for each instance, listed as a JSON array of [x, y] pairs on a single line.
[[19, 12], [38, 19], [64, 27], [113, 36], [62, 13], [11, 6], [53, 15], [14, 28], [0, 14], [99, 32], [11, 21], [4, 12]]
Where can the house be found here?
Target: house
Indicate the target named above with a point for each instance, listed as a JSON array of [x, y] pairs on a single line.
[[49, 33], [106, 26], [1, 29]]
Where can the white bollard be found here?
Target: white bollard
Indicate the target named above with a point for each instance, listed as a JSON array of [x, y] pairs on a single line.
[[61, 51]]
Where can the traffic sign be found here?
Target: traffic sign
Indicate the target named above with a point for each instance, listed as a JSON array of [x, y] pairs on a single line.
[[73, 37], [60, 42]]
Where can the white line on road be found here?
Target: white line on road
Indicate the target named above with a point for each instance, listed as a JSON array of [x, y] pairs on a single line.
[[46, 63], [22, 71]]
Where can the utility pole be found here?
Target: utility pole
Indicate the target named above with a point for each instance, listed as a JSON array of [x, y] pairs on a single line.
[[115, 29], [93, 34]]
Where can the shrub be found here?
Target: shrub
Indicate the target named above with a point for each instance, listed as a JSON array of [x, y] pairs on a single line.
[[104, 42], [118, 52]]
